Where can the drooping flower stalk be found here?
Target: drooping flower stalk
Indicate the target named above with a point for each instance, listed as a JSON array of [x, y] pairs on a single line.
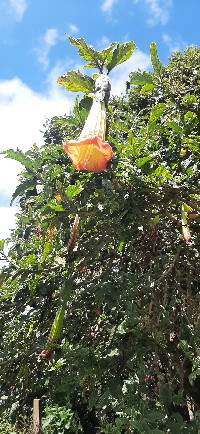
[[54, 334], [90, 152]]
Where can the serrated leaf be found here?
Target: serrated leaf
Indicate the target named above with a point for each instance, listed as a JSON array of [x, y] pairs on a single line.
[[21, 189], [121, 53], [157, 65], [19, 156], [87, 52], [140, 78], [106, 54], [75, 81]]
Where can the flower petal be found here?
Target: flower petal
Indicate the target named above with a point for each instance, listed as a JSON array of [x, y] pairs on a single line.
[[91, 154]]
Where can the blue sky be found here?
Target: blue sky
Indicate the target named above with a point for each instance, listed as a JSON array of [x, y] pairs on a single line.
[[34, 51]]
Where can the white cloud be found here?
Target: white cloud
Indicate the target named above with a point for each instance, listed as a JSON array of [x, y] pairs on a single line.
[[107, 5], [173, 44], [7, 220], [48, 40], [73, 28], [23, 113], [18, 8], [158, 11], [50, 37], [119, 76]]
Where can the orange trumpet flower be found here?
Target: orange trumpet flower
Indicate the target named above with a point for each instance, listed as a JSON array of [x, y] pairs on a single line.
[[90, 152]]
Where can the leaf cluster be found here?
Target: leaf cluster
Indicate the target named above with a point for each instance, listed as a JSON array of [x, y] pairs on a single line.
[[104, 61]]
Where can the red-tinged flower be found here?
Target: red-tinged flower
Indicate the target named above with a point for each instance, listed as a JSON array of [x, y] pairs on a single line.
[[46, 354], [83, 269], [90, 152]]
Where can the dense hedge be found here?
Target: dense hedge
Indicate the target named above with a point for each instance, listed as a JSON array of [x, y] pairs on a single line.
[[128, 360]]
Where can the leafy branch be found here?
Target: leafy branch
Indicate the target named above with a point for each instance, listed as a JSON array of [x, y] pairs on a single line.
[[104, 61]]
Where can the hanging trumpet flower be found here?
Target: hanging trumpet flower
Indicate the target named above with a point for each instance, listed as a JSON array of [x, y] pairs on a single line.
[[90, 152], [54, 335]]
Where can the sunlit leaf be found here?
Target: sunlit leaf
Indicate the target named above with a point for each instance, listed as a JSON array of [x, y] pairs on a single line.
[[76, 82], [157, 65], [121, 53], [140, 78]]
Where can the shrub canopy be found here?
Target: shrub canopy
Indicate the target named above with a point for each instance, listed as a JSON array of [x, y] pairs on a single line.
[[127, 360]]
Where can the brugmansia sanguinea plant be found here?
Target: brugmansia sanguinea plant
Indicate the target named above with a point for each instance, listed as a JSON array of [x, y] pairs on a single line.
[[57, 326], [90, 152]]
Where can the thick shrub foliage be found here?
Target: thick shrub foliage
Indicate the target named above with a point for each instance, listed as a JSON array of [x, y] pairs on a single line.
[[128, 357]]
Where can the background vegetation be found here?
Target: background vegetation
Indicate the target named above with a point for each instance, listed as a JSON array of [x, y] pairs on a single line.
[[128, 359]]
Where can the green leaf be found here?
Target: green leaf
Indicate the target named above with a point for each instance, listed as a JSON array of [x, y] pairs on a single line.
[[157, 65], [156, 113], [106, 54], [120, 246], [190, 117], [87, 52], [140, 77], [155, 220], [20, 157], [163, 172], [121, 53], [46, 251], [143, 160], [72, 191], [147, 88], [28, 261], [76, 82], [81, 108], [2, 242], [22, 188]]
